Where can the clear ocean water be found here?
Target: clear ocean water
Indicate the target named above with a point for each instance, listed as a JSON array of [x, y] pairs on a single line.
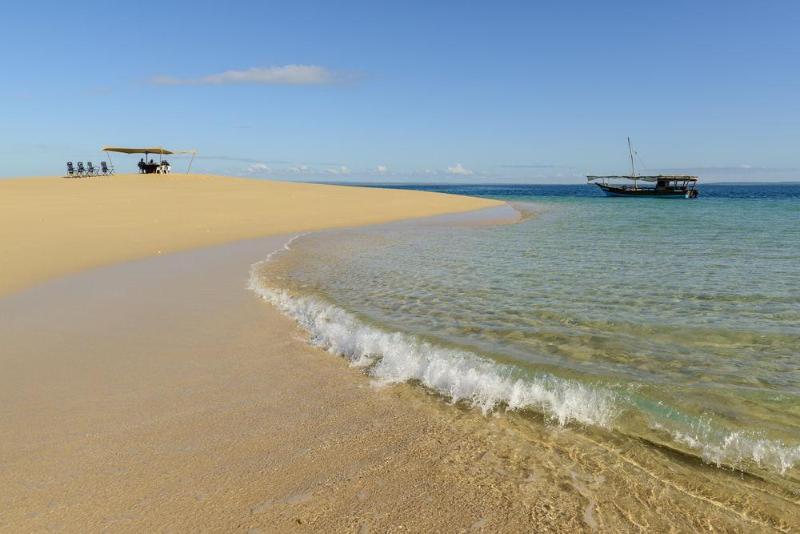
[[673, 322]]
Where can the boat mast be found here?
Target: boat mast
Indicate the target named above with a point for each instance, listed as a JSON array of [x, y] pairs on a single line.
[[633, 167]]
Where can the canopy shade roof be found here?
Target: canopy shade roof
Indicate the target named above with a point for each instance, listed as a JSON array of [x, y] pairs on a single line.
[[125, 150], [655, 178]]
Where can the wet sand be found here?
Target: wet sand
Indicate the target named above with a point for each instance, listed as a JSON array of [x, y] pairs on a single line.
[[160, 394]]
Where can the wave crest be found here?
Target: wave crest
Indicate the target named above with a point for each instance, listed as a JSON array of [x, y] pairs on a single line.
[[395, 357], [735, 447]]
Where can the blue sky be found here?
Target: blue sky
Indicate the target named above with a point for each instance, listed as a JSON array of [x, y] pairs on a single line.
[[407, 91]]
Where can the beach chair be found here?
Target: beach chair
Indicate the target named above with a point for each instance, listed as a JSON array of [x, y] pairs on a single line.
[[70, 170], [90, 170], [81, 169], [105, 169]]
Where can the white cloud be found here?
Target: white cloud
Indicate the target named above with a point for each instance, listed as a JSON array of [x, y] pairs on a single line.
[[381, 169], [283, 75], [299, 169], [339, 171], [257, 168], [460, 170]]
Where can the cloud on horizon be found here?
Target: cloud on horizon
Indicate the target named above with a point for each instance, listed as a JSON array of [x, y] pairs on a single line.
[[458, 173], [282, 75], [459, 170], [256, 168], [342, 170]]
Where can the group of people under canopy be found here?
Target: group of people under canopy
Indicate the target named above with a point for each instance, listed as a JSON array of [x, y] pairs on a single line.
[[151, 167]]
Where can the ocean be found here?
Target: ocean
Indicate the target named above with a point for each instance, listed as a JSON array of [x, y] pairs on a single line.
[[669, 323]]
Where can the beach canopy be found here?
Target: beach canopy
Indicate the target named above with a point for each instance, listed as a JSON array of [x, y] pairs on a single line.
[[126, 150], [150, 150]]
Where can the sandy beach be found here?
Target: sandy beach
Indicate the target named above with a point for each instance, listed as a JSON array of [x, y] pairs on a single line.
[[54, 226], [163, 396], [155, 392], [160, 394]]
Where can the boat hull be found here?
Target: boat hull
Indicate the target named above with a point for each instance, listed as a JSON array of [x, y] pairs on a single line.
[[612, 191]]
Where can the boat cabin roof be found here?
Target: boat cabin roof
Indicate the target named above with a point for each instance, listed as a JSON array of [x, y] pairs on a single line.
[[653, 178]]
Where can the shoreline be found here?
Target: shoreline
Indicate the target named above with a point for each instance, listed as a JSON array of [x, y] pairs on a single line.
[[121, 381], [212, 412]]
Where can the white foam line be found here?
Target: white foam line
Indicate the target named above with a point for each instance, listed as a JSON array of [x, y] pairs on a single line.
[[735, 447], [394, 357]]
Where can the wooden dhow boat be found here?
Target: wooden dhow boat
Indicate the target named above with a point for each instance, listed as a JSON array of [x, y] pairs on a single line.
[[665, 185]]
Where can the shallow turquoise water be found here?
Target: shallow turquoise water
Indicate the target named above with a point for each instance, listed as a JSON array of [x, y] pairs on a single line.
[[677, 321]]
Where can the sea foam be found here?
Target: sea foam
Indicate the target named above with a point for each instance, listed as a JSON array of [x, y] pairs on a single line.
[[734, 448], [461, 376]]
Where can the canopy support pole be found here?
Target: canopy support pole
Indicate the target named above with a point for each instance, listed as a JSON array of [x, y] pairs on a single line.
[[188, 170]]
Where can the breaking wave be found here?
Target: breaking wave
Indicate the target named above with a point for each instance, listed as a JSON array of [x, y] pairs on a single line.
[[734, 448], [463, 376]]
